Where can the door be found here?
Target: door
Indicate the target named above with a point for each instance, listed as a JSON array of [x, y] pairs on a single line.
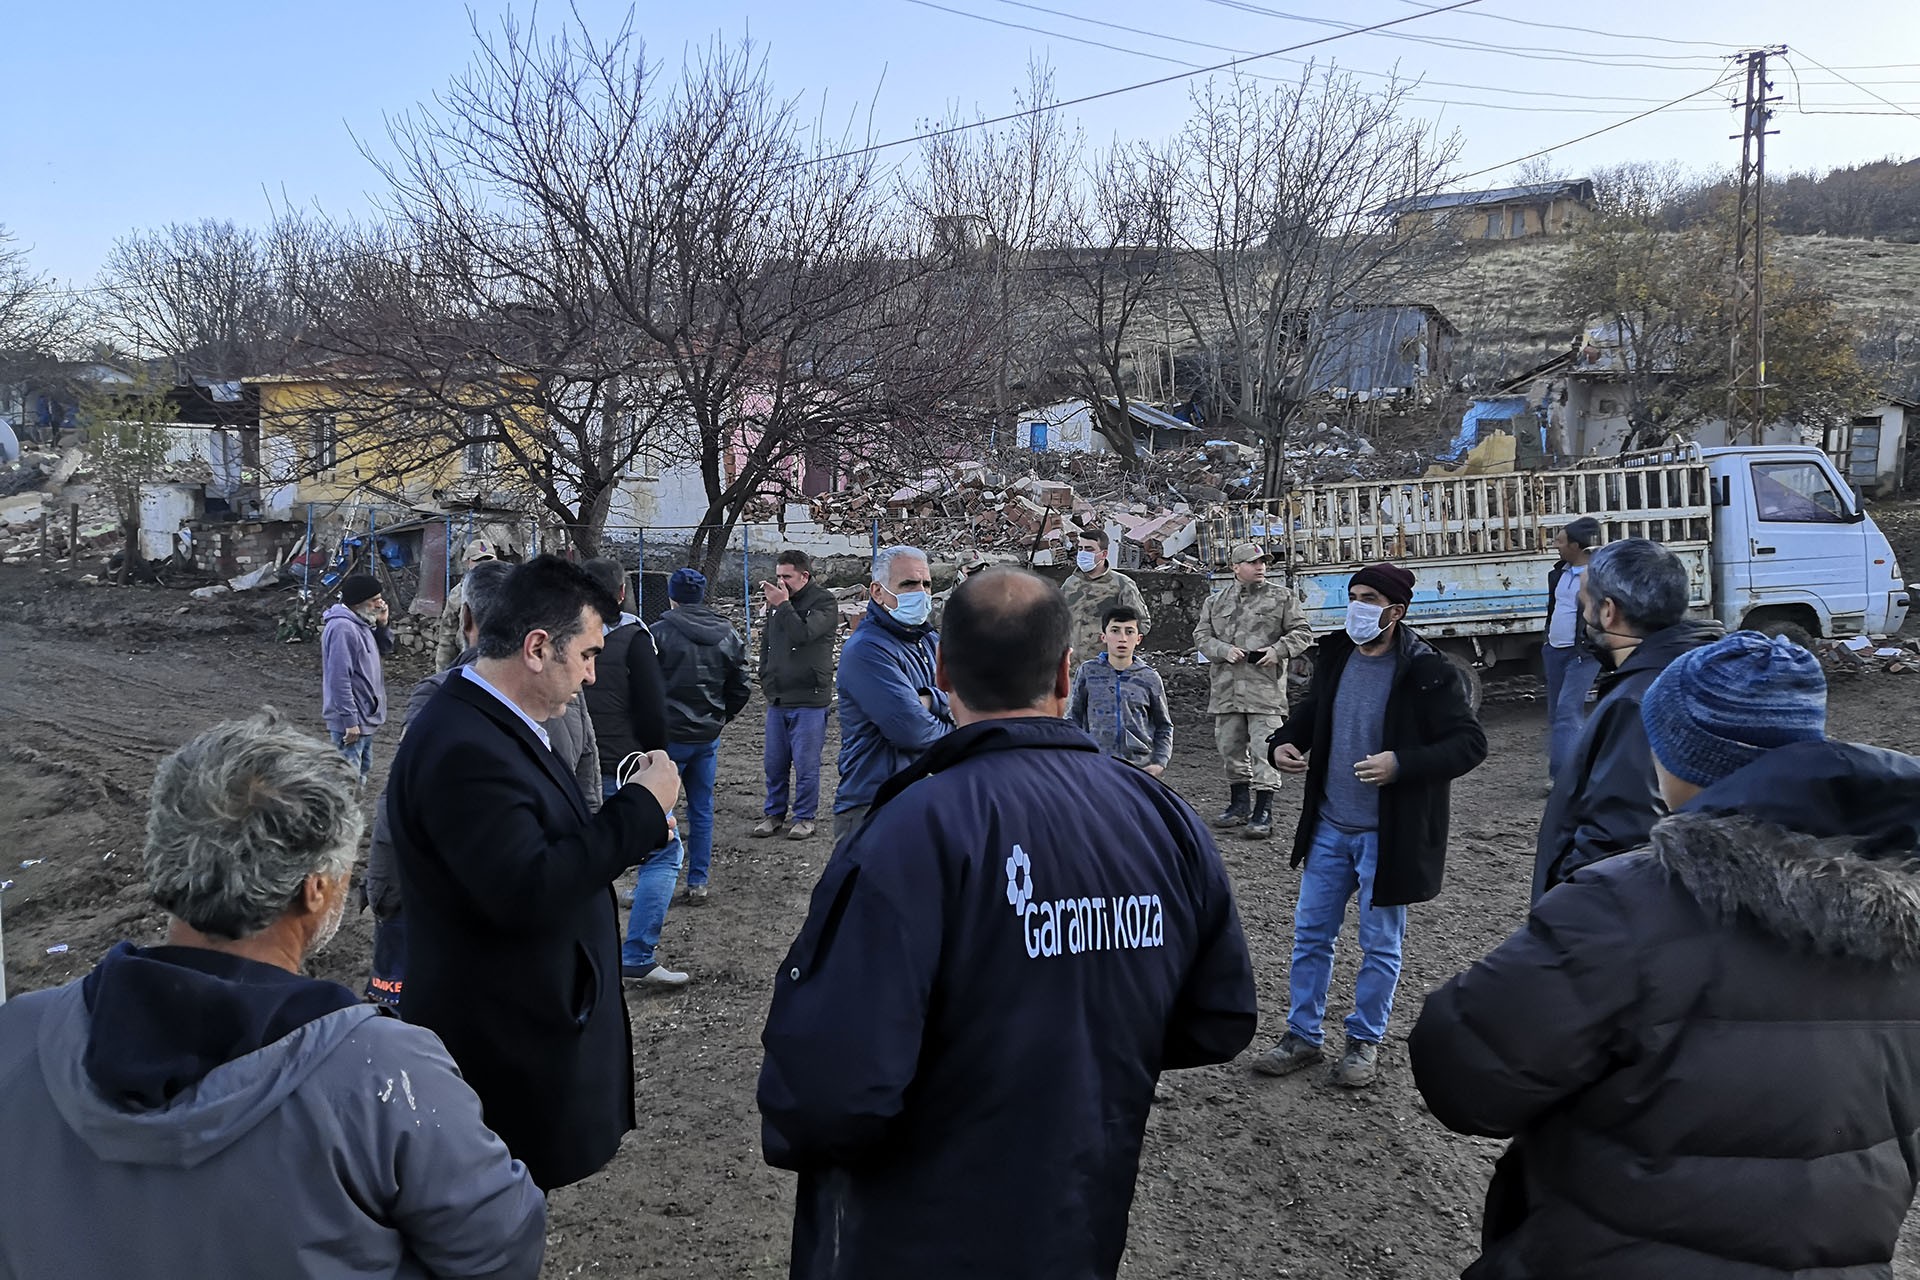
[[1806, 542]]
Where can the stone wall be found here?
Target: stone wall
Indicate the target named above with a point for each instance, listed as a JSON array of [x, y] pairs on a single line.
[[233, 547]]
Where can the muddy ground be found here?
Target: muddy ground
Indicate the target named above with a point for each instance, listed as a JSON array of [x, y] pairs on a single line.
[[1241, 1177]]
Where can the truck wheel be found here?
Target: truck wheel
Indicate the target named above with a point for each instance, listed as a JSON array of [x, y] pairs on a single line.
[[1775, 625], [1469, 678]]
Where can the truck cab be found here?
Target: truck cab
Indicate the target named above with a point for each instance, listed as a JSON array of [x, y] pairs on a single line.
[[1794, 553]]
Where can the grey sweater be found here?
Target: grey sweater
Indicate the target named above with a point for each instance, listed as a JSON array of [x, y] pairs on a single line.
[[1124, 711], [347, 1148]]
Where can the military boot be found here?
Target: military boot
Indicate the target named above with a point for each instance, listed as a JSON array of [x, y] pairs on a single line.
[[1260, 824], [1235, 814]]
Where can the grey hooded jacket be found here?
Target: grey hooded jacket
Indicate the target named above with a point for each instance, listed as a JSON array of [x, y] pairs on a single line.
[[349, 1147]]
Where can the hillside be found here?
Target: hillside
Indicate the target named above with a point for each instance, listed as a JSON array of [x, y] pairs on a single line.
[[1501, 298]]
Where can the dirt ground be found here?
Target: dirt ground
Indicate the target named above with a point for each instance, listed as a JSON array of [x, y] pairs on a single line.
[[1241, 1176]]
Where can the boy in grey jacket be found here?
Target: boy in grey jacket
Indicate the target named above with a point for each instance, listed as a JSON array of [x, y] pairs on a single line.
[[1119, 701]]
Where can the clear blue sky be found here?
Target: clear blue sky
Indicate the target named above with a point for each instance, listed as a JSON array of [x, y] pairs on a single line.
[[124, 115]]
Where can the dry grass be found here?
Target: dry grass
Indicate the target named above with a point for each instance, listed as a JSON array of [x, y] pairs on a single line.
[[1502, 298]]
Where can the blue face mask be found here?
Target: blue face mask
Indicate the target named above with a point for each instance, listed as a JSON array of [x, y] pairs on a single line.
[[911, 608]]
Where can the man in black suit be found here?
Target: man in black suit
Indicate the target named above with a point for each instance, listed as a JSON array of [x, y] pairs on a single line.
[[513, 956]]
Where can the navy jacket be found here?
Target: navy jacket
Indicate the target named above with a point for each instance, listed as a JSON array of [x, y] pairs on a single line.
[[1707, 1051], [963, 1042], [884, 668]]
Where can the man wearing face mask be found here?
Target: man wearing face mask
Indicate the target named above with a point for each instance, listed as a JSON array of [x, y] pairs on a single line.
[[891, 708], [1248, 631], [1092, 589], [1605, 799], [1381, 735]]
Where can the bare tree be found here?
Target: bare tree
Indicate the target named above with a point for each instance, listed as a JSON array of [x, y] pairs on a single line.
[[1107, 258], [127, 443], [991, 196], [597, 268], [34, 327], [1278, 216], [222, 301]]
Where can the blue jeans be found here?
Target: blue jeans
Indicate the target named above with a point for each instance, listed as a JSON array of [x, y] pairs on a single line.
[[651, 896], [698, 762], [1570, 672], [359, 754], [795, 737], [1338, 864]]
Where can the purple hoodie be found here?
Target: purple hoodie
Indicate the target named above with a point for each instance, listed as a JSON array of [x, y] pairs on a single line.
[[353, 690]]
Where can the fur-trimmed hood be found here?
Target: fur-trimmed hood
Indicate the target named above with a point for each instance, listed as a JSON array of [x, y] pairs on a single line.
[[1818, 844]]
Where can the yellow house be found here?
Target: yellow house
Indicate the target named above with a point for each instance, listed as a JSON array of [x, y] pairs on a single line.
[[330, 440], [1506, 213]]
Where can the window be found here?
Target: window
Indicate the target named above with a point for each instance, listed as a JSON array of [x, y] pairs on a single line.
[[326, 442], [1493, 225], [1861, 463], [1518, 223], [1796, 493], [477, 456]]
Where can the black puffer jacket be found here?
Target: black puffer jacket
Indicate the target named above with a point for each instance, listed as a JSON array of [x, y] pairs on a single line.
[[703, 663], [1709, 1050], [1430, 726], [1606, 799]]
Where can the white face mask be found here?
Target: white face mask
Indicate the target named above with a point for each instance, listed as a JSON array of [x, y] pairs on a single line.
[[1086, 560], [1363, 621]]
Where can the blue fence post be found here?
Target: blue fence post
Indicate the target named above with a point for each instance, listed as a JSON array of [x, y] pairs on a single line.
[[373, 540], [746, 578], [639, 572], [876, 539], [306, 563]]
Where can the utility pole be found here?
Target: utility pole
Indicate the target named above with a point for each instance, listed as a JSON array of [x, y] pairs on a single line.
[[1747, 362]]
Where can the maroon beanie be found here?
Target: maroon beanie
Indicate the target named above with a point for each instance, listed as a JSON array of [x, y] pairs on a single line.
[[1390, 580]]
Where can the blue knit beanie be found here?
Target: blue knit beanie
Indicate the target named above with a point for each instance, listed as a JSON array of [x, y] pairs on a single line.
[[687, 586], [1720, 707]]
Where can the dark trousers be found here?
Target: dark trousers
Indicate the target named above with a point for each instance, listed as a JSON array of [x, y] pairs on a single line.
[[795, 737]]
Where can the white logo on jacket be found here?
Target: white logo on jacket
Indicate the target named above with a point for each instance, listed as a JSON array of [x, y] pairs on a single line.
[[1071, 926]]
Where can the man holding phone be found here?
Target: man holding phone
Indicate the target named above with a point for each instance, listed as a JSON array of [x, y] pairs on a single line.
[[1248, 631]]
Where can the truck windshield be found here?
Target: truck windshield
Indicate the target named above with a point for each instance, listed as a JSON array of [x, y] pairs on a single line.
[[1796, 492]]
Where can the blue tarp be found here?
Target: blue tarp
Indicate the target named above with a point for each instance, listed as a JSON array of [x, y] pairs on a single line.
[[1506, 411]]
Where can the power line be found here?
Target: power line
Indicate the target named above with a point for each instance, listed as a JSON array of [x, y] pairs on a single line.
[[1589, 57], [1611, 35], [968, 126], [1351, 70], [948, 130], [1862, 88], [1618, 124], [1181, 62]]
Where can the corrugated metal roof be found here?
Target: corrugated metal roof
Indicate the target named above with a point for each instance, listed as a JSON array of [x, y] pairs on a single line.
[[1577, 189]]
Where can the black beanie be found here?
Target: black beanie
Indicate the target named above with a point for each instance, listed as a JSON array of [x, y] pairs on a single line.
[[358, 589]]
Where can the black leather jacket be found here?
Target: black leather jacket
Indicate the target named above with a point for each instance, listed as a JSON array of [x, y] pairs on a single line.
[[703, 662]]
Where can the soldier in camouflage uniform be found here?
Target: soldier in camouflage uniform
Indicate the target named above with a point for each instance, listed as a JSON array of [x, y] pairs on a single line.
[[1092, 589], [448, 642], [1248, 631]]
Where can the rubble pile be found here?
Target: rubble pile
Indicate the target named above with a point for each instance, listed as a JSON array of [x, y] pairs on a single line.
[[1860, 656], [36, 493]]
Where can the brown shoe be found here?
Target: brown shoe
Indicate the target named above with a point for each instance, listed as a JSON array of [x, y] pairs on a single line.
[[768, 827], [801, 830]]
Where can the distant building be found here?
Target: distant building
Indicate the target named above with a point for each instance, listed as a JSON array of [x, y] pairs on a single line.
[[1384, 349], [1504, 213]]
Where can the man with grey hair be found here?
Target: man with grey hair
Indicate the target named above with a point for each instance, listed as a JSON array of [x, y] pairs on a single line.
[[891, 707], [1633, 620], [230, 1115]]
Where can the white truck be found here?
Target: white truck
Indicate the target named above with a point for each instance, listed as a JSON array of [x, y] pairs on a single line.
[[1772, 537]]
